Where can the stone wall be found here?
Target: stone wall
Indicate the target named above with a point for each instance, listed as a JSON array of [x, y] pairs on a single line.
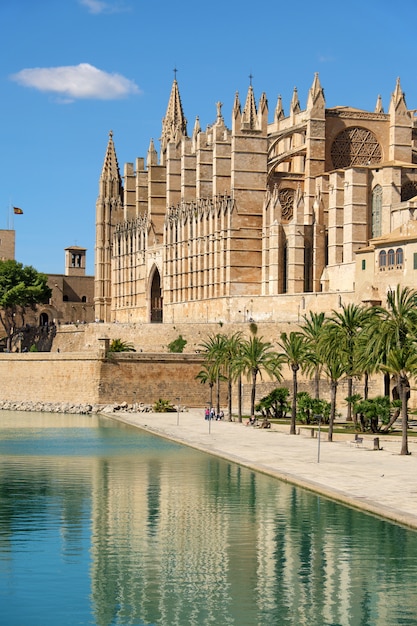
[[89, 378]]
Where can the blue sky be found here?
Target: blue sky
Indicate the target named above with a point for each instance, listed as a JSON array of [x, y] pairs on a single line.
[[72, 70]]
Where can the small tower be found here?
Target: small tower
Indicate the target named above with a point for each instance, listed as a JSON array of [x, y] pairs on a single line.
[[75, 258]]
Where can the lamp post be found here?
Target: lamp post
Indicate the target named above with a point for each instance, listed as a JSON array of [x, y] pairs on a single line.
[[178, 410]]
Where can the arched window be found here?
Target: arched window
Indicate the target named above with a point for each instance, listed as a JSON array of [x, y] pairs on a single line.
[[84, 299], [391, 257], [399, 256], [376, 211], [382, 259]]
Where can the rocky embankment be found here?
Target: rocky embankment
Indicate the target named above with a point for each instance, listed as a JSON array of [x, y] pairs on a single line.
[[80, 409]]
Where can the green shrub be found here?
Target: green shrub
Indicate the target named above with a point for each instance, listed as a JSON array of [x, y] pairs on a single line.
[[163, 406], [178, 344]]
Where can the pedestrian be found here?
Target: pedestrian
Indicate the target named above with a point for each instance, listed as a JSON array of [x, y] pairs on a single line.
[[207, 414]]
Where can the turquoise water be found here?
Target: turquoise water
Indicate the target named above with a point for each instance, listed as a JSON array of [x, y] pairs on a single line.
[[102, 524]]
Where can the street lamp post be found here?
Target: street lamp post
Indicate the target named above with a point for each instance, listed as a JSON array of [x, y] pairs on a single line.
[[178, 410]]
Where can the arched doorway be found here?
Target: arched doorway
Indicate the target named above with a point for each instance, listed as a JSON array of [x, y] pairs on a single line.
[[156, 298], [43, 319]]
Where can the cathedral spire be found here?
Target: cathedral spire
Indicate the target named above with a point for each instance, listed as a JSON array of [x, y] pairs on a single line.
[[174, 123], [110, 166], [279, 110], [295, 103], [316, 93], [249, 115], [152, 157], [398, 98], [378, 107]]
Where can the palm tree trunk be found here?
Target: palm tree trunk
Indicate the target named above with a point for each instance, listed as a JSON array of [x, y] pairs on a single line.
[[333, 392], [366, 386], [349, 406], [218, 396], [229, 397], [294, 402], [404, 416], [317, 384], [253, 394], [239, 398]]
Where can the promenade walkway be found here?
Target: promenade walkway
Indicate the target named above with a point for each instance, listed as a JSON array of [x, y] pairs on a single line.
[[381, 482]]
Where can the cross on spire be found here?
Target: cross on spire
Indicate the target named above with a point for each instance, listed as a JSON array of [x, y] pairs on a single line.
[[175, 73], [250, 79]]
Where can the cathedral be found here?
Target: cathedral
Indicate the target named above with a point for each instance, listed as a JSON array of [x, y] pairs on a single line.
[[277, 214]]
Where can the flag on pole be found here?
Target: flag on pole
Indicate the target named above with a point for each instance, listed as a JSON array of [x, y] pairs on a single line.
[[17, 211]]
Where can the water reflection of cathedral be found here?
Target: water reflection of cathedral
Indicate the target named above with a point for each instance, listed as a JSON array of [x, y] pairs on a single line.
[[210, 532]]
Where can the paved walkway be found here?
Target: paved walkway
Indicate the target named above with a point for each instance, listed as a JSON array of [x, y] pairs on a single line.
[[381, 482]]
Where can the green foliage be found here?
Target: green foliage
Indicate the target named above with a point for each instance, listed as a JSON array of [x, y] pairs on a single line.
[[308, 408], [33, 348], [275, 405], [373, 411], [21, 287], [253, 327], [163, 406], [177, 345], [117, 345]]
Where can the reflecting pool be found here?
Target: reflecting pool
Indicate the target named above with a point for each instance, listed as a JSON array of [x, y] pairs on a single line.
[[103, 524]]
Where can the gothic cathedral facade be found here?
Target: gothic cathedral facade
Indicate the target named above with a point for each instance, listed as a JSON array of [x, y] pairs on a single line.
[[261, 221]]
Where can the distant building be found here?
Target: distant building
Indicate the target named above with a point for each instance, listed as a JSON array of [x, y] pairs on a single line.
[[72, 299], [261, 220]]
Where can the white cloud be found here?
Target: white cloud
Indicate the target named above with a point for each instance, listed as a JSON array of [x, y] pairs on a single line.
[[99, 6], [77, 82]]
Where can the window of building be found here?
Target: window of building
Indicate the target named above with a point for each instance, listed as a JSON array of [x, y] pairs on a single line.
[[391, 257], [376, 226], [382, 259], [363, 264], [415, 260], [399, 257]]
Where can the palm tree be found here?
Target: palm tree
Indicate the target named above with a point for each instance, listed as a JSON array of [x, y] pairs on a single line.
[[311, 328], [294, 354], [213, 349], [342, 333], [393, 341], [256, 356], [231, 350], [208, 374], [331, 358]]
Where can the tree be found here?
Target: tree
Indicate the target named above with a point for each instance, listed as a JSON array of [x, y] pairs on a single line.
[[312, 328], [331, 355], [208, 375], [256, 356], [393, 340], [213, 350], [21, 288], [294, 354], [342, 332], [229, 354]]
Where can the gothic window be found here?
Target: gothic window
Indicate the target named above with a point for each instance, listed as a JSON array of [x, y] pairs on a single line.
[[399, 257], [391, 257], [382, 258], [376, 211], [408, 191], [286, 199], [355, 146]]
